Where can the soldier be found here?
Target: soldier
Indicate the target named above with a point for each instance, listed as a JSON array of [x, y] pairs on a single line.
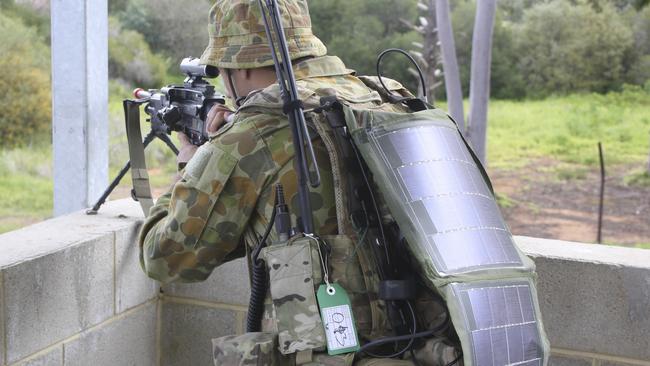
[[224, 196]]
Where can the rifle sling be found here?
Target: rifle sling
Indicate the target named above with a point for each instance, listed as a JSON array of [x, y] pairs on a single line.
[[141, 189]]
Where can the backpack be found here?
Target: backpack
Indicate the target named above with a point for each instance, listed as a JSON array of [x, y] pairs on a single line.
[[418, 222]]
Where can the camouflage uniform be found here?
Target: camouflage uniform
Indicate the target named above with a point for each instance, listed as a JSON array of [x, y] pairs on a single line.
[[226, 191], [220, 207]]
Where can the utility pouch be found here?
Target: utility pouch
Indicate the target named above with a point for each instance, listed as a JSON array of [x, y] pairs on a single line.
[[246, 349], [294, 272]]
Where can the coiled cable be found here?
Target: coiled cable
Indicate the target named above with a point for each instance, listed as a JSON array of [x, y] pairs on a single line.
[[259, 280]]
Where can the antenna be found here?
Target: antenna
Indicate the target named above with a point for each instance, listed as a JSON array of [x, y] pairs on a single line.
[[293, 108]]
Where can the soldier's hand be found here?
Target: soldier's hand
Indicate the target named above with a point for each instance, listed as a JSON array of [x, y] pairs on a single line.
[[186, 150], [217, 117]]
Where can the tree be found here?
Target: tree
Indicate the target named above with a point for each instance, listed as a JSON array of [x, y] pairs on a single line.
[[175, 28], [358, 30], [505, 80], [25, 82], [130, 59], [636, 61], [427, 53], [449, 63], [33, 14], [479, 92], [567, 48]]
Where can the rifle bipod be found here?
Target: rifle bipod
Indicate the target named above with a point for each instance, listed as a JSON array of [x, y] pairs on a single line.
[[147, 140]]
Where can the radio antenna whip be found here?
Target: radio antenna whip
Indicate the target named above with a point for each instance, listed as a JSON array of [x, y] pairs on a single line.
[[294, 109]]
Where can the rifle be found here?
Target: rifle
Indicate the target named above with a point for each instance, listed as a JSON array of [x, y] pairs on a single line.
[[181, 108]]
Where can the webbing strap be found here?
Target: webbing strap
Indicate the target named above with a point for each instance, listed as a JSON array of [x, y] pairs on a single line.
[[335, 117], [141, 188]]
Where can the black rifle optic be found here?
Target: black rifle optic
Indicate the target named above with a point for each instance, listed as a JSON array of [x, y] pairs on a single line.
[[181, 108]]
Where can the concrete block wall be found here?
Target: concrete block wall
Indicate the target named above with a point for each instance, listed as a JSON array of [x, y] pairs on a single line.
[[595, 301], [193, 314], [72, 293]]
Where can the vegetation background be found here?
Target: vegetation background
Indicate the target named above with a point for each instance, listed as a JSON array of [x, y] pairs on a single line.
[[566, 74]]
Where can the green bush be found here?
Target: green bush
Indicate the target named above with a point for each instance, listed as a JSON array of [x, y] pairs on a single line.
[[357, 31], [25, 84], [571, 47], [177, 29], [504, 82], [637, 60], [36, 17], [131, 59]]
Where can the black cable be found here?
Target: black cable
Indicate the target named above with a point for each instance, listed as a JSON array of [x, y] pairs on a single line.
[[267, 232], [452, 363], [256, 301], [383, 341], [410, 337], [258, 280], [415, 360], [422, 82], [374, 204]]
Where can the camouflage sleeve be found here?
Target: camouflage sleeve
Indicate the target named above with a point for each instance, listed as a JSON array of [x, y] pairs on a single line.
[[193, 228]]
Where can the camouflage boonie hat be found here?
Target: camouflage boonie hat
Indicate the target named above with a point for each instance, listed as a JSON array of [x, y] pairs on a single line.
[[238, 39]]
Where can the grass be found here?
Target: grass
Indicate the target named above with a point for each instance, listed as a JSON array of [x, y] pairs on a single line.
[[25, 187], [504, 201], [565, 130], [568, 129], [639, 178], [571, 171]]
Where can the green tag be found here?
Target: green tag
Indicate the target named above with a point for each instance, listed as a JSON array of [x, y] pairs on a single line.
[[338, 320]]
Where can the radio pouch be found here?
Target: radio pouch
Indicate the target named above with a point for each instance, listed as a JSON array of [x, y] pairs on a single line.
[[294, 271]]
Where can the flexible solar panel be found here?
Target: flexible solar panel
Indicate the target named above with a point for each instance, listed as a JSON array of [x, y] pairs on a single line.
[[447, 198], [503, 328]]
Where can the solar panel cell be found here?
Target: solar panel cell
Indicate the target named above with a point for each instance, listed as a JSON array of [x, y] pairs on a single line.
[[482, 342], [514, 336], [446, 198], [501, 321]]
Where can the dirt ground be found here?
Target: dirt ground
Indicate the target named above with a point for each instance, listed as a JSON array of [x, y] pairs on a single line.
[[540, 203]]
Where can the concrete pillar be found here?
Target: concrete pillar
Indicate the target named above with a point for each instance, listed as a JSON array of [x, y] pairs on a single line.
[[79, 102]]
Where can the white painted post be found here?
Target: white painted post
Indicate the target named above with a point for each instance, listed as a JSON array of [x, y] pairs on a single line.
[[79, 102]]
